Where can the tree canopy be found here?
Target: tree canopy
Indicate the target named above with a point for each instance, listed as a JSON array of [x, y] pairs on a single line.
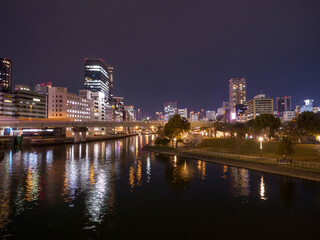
[[266, 123], [309, 123], [176, 126]]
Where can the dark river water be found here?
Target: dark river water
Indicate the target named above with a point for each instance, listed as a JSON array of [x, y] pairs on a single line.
[[115, 190]]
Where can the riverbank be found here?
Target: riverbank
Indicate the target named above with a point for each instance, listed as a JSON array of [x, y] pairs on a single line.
[[38, 141], [302, 152], [283, 170]]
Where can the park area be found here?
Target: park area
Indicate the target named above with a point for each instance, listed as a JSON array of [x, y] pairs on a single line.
[[303, 152]]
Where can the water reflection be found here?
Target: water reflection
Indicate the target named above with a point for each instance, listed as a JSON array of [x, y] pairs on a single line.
[[240, 182], [178, 173], [108, 185], [262, 190]]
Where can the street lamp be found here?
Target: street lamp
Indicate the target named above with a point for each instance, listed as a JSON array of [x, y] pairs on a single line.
[[260, 139]]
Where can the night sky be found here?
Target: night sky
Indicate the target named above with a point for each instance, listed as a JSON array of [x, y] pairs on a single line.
[[168, 50]]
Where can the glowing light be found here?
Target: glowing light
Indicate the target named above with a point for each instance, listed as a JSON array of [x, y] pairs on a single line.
[[262, 190]]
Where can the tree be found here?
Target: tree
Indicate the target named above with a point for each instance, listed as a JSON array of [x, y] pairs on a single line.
[[239, 131], [285, 147], [176, 127], [292, 131], [309, 123], [266, 124]]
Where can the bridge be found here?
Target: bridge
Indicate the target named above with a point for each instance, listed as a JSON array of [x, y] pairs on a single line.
[[16, 123]]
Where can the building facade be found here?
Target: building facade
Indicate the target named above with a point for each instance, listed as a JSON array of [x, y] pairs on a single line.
[[129, 114], [98, 77], [183, 112], [307, 107], [29, 104], [7, 107], [210, 115], [283, 104], [237, 92], [68, 106], [259, 105], [5, 75], [170, 109], [118, 108]]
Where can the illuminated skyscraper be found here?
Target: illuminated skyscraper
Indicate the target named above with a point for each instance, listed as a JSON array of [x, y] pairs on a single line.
[[98, 77], [283, 104], [5, 75], [170, 109], [237, 91]]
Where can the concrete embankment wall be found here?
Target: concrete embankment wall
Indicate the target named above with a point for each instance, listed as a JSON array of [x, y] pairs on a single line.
[[263, 167], [36, 141]]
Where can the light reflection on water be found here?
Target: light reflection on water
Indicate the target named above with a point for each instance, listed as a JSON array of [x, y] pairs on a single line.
[[109, 184]]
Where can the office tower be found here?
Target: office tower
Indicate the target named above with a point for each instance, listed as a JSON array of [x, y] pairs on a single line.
[[170, 109], [308, 106], [5, 75], [183, 112], [98, 77], [42, 88], [210, 115], [129, 114], [194, 116], [237, 92], [118, 109], [283, 104], [259, 105]]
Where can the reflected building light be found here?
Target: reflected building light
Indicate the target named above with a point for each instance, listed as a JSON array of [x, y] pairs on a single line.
[[239, 182], [49, 157], [97, 199], [92, 180], [139, 173], [202, 168], [148, 169], [96, 150], [262, 190], [131, 178], [32, 185], [224, 172]]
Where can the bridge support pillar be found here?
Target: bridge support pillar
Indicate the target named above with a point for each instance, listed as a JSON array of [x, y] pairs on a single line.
[[77, 131], [76, 137], [83, 136]]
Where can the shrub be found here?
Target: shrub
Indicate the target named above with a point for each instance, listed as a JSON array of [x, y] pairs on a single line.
[[162, 141]]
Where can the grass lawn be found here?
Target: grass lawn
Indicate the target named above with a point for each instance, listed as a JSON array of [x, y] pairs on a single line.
[[303, 152]]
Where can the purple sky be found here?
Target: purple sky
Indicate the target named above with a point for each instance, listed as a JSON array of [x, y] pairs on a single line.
[[184, 51]]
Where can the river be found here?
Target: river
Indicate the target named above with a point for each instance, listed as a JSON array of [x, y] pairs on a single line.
[[114, 190]]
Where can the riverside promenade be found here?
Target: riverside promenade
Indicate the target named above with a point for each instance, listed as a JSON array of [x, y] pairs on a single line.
[[263, 166]]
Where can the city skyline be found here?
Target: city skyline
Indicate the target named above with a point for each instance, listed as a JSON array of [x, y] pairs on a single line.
[[165, 60]]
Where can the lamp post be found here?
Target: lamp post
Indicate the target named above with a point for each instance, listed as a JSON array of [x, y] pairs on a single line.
[[260, 139]]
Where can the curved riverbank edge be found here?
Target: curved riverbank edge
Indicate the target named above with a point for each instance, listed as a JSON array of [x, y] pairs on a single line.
[[274, 169]]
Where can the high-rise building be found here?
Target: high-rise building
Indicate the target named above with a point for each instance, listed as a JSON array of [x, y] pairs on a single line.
[[210, 115], [118, 109], [5, 75], [42, 88], [308, 106], [259, 105], [183, 112], [170, 109], [237, 92], [98, 77], [129, 114], [194, 116], [283, 104]]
